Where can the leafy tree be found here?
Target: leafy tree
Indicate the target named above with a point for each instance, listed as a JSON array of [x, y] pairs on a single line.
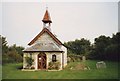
[[10, 54], [17, 48], [113, 50], [4, 45], [100, 44], [116, 38], [78, 46], [106, 48], [13, 54], [103, 48], [0, 49]]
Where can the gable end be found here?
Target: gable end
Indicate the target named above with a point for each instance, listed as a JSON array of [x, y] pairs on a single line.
[[43, 31]]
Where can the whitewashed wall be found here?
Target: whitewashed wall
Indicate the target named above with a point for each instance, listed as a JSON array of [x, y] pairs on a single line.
[[64, 55], [34, 56], [58, 58], [24, 60]]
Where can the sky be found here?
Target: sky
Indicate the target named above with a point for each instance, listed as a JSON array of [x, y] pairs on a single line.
[[22, 21]]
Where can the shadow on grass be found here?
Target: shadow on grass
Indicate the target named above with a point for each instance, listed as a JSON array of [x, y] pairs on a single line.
[[19, 67]]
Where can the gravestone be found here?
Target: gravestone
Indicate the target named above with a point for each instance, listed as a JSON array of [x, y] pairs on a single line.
[[68, 59], [101, 64], [83, 58]]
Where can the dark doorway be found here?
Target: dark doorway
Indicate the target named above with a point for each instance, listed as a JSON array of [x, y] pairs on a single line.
[[42, 61]]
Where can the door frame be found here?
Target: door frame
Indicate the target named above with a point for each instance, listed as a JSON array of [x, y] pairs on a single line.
[[43, 56]]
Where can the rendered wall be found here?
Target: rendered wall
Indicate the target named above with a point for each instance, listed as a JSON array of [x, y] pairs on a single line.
[[64, 56], [58, 57], [34, 57]]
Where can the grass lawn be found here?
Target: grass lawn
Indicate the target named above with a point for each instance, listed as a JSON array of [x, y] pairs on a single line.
[[11, 71], [0, 71]]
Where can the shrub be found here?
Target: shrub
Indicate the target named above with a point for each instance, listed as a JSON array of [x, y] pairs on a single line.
[[29, 61], [74, 58], [32, 67], [54, 65]]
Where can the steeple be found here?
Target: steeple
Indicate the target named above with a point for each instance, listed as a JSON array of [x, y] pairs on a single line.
[[47, 20]]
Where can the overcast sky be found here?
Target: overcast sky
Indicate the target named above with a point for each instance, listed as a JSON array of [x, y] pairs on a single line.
[[21, 21]]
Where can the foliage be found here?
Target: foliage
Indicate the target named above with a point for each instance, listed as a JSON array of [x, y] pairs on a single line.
[[4, 45], [79, 47], [99, 46], [103, 48], [106, 48], [17, 48], [0, 50], [29, 61], [10, 54], [74, 58], [54, 65]]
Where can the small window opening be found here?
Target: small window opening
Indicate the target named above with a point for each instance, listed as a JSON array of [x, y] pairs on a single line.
[[54, 58]]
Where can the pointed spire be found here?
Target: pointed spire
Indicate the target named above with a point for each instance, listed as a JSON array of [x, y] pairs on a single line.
[[46, 18]]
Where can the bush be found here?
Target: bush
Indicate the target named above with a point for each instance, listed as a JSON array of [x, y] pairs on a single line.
[[29, 61], [74, 58], [11, 57], [54, 65]]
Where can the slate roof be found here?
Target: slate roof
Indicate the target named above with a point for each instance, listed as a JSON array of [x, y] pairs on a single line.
[[39, 47]]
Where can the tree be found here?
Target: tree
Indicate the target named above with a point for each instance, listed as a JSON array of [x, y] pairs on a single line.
[[14, 56], [100, 44], [12, 53], [0, 49], [106, 48], [113, 50], [17, 48], [79, 47], [4, 45]]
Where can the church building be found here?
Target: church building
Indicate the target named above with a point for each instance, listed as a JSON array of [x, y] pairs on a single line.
[[45, 51]]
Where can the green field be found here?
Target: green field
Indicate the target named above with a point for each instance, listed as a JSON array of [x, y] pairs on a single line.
[[12, 71], [0, 71]]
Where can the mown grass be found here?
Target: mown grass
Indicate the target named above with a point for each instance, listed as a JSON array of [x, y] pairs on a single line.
[[12, 71], [0, 71]]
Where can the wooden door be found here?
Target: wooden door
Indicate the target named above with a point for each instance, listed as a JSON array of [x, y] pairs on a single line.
[[42, 61]]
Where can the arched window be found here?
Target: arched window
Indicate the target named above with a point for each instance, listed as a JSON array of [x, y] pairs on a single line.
[[54, 58]]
